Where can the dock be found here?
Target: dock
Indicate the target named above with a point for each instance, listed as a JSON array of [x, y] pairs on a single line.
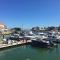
[[19, 43]]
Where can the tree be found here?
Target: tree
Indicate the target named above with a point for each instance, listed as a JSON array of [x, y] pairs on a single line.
[[35, 29], [50, 28], [16, 30], [58, 28]]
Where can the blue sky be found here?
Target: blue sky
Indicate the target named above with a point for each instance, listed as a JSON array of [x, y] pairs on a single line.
[[30, 13]]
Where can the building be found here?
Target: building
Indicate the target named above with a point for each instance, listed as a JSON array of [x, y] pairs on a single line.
[[4, 29], [2, 26]]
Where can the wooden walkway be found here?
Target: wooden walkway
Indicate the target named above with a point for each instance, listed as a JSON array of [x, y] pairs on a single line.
[[2, 46]]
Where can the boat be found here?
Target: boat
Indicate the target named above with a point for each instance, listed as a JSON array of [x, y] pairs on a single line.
[[13, 37], [57, 39], [42, 43]]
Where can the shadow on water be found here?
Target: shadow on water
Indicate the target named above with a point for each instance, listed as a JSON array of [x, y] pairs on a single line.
[[57, 49], [49, 50], [29, 52]]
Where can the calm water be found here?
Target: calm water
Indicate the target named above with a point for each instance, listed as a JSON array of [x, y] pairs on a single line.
[[30, 53]]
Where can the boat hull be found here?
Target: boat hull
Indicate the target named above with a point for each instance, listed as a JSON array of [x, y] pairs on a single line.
[[56, 41], [40, 44]]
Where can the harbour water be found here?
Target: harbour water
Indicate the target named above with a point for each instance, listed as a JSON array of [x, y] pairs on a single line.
[[28, 52]]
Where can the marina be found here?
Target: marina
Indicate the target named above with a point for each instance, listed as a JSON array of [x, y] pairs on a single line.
[[29, 45], [29, 29], [41, 40]]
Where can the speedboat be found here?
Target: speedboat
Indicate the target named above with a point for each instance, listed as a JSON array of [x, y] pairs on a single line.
[[42, 43]]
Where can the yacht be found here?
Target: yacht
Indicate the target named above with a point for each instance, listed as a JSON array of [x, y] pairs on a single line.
[[42, 43]]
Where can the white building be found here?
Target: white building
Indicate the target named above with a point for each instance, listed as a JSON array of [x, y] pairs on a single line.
[[3, 29]]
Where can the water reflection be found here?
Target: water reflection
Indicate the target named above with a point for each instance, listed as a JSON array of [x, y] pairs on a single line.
[[48, 50], [27, 52], [57, 49]]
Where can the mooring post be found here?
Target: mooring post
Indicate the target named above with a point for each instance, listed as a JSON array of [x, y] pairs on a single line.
[[3, 36]]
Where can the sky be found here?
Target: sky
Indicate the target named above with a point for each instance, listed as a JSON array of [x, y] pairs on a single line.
[[30, 13]]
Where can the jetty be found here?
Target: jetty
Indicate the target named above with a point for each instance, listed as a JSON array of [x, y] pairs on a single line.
[[18, 43]]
